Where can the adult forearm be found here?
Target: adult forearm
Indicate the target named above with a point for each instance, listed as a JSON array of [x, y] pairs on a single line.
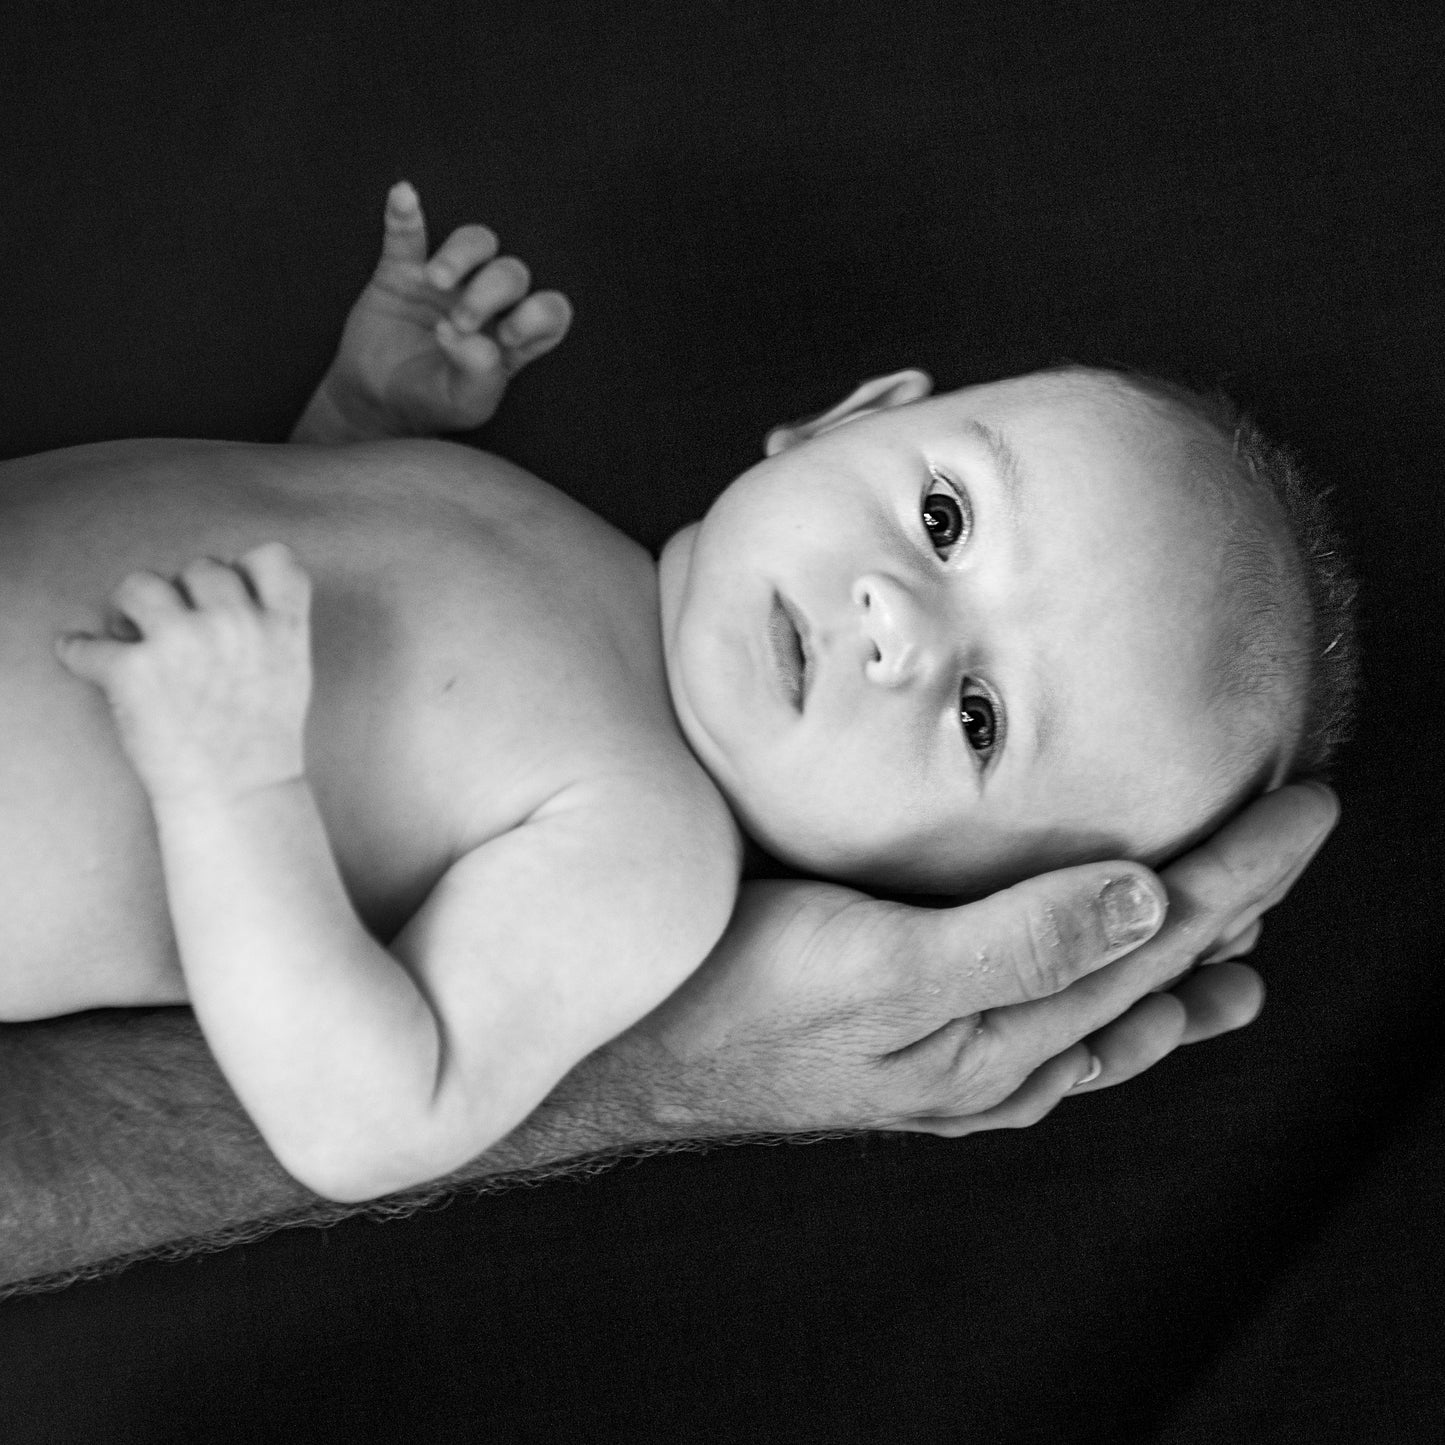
[[120, 1139], [118, 1134]]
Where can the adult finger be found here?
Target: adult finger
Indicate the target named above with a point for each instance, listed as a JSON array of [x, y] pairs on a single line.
[[1213, 1001], [404, 228], [1219, 998], [1033, 941], [1237, 944], [1034, 1099], [1017, 1053], [1146, 1033], [1242, 869], [1250, 864]]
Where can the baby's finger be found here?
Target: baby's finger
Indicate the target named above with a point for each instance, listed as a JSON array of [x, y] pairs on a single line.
[[460, 254], [532, 327], [499, 285], [147, 600], [277, 578], [90, 658], [474, 352], [211, 584], [404, 230]]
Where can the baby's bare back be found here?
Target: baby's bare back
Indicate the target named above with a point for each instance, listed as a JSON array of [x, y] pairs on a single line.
[[479, 642]]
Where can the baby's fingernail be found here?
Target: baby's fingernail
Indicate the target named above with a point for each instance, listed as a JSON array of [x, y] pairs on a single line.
[[403, 195], [1131, 911], [1095, 1068]]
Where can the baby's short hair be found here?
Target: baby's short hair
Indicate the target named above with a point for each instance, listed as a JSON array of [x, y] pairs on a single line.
[[1289, 588]]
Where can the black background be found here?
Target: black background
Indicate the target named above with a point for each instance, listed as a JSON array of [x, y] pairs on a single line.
[[754, 207]]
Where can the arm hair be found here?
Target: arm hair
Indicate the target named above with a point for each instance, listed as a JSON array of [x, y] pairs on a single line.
[[120, 1141]]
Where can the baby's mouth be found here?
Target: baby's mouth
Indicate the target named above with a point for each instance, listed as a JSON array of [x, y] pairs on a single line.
[[789, 652]]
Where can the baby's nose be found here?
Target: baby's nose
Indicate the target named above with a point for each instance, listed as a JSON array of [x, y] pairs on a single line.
[[897, 627]]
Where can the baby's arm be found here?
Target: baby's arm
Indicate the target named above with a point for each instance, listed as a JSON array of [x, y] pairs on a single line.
[[430, 346], [117, 1136], [302, 1008], [369, 1070]]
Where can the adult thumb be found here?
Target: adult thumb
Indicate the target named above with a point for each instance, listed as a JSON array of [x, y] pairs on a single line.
[[1039, 936]]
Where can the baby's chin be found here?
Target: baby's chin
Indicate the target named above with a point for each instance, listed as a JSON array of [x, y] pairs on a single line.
[[913, 870], [972, 859], [886, 878], [966, 874]]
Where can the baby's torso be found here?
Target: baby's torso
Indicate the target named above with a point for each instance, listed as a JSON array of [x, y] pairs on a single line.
[[480, 642]]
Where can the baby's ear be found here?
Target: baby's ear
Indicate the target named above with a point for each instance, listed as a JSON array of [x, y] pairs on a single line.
[[878, 394]]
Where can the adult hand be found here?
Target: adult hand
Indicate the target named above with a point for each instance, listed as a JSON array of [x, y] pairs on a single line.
[[825, 1009]]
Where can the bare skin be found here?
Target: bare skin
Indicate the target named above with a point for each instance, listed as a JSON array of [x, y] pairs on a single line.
[[822, 1011], [869, 983]]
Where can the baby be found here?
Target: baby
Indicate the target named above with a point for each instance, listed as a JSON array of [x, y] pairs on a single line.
[[419, 782]]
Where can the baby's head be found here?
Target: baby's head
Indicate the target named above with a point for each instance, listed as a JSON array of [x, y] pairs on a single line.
[[937, 644]]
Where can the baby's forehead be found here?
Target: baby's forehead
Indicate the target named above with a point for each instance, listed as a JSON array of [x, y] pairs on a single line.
[[1065, 432], [1092, 401]]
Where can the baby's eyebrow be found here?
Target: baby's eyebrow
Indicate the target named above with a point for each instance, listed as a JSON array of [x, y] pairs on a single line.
[[1006, 460]]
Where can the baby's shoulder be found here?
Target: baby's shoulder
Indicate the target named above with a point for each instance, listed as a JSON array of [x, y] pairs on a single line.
[[673, 847], [630, 808], [658, 814], [615, 890], [665, 859]]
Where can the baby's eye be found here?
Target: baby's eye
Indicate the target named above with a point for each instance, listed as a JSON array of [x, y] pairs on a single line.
[[980, 724], [947, 516]]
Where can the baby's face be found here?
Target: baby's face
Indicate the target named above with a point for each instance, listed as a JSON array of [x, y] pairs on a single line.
[[951, 643]]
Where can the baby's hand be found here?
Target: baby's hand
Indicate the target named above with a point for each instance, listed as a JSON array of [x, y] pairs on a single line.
[[430, 345], [209, 676]]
